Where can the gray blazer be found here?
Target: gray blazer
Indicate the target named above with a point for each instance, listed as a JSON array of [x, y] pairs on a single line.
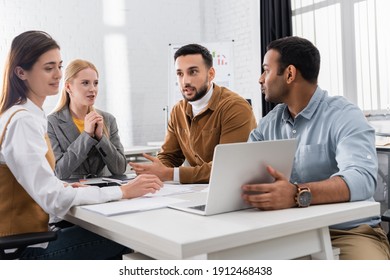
[[79, 155]]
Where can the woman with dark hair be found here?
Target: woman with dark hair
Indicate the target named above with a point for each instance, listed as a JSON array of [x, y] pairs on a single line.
[[29, 190]]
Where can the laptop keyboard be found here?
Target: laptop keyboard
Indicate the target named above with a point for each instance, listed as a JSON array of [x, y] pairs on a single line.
[[199, 207]]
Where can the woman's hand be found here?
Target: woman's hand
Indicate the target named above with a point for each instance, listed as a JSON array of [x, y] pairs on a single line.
[[141, 185], [93, 125], [75, 185]]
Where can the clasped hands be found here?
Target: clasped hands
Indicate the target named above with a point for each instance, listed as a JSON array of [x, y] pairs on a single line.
[[93, 125]]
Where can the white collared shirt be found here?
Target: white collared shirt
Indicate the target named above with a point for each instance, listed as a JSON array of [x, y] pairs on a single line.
[[24, 152]]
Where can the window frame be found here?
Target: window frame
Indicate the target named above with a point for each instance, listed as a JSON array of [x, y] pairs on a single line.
[[348, 45]]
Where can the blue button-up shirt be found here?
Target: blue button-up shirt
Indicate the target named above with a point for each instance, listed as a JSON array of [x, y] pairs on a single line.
[[334, 139]]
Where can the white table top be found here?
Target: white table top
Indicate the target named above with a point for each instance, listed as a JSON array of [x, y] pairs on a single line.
[[172, 234]]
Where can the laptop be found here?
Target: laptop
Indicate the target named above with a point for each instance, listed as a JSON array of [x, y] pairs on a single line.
[[238, 164]]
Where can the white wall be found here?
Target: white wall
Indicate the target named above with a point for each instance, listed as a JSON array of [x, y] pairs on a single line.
[[128, 42], [238, 20]]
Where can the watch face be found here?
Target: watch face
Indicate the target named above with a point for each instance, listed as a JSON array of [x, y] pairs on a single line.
[[304, 198]]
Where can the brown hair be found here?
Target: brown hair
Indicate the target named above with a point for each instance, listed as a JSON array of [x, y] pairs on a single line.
[[26, 49]]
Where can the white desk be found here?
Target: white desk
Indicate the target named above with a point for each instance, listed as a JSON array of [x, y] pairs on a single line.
[[248, 234]]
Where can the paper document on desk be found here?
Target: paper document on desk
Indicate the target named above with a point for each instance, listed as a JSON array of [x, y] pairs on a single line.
[[175, 189], [131, 205]]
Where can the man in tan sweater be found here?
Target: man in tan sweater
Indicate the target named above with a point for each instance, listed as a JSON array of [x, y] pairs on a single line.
[[207, 116]]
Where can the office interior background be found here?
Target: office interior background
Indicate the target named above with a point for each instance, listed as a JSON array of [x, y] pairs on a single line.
[[129, 42]]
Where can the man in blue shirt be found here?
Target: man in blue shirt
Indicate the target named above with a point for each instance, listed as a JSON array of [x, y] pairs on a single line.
[[336, 158]]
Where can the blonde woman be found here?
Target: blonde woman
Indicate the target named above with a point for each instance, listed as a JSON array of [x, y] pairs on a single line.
[[85, 140]]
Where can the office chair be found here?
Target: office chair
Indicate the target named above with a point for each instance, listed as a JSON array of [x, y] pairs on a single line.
[[382, 194], [386, 218], [21, 241]]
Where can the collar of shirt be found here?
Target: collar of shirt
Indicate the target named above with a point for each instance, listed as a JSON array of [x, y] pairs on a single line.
[[31, 107], [199, 105], [309, 110], [36, 111]]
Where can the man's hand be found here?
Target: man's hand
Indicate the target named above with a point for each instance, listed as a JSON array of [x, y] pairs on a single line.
[[155, 167], [279, 194]]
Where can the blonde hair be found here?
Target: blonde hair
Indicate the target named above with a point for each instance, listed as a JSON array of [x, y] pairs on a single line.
[[71, 72]]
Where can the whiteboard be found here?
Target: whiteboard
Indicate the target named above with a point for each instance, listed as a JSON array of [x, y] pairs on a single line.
[[223, 62]]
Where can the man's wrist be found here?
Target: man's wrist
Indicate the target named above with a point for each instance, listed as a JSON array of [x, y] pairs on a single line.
[[303, 196]]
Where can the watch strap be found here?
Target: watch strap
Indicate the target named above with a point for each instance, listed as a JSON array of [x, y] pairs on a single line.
[[300, 189]]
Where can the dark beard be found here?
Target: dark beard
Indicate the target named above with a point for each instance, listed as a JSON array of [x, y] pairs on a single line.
[[199, 94]]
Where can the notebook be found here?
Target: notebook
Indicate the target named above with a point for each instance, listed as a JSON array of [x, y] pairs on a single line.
[[235, 165]]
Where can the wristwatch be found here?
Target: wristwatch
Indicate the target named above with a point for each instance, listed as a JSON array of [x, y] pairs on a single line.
[[303, 196]]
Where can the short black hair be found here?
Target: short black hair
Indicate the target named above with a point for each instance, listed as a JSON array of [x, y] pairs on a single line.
[[195, 49], [299, 52]]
